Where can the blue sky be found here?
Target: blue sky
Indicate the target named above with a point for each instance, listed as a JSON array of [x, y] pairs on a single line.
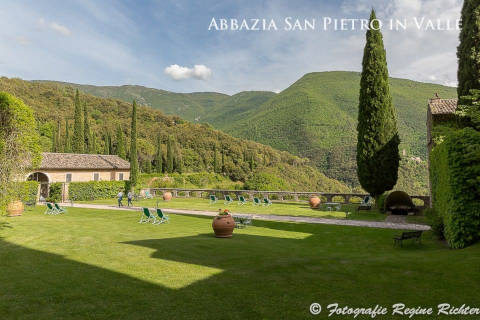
[[135, 42]]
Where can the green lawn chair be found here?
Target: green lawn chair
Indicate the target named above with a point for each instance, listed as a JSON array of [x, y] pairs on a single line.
[[50, 209], [241, 200], [267, 202], [366, 204], [257, 202], [60, 209], [162, 217], [213, 199], [148, 195], [228, 200], [147, 216]]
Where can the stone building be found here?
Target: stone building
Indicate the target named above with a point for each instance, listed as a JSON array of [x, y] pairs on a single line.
[[74, 167]]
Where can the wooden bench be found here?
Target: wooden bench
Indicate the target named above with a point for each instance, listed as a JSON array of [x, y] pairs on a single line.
[[408, 235]]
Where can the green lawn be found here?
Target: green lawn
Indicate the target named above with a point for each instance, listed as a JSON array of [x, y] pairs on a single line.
[[94, 264], [277, 208]]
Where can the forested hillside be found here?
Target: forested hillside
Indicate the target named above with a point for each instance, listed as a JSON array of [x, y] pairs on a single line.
[[196, 147], [315, 118]]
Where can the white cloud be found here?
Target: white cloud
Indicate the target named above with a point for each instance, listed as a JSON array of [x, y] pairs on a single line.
[[199, 72], [55, 27]]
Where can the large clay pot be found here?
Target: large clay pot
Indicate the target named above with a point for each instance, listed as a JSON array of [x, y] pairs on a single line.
[[15, 208], [223, 226], [314, 202], [167, 196]]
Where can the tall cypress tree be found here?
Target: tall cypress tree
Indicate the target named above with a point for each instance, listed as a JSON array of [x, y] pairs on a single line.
[[86, 130], [120, 141], [169, 156], [106, 144], [133, 147], [215, 161], [468, 51], [178, 159], [158, 156], [55, 140], [78, 134], [377, 146], [223, 161], [68, 146], [93, 139]]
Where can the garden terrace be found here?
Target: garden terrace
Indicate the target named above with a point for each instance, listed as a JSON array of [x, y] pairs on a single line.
[[421, 202]]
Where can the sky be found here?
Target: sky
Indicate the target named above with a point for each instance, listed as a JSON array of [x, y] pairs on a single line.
[[168, 45]]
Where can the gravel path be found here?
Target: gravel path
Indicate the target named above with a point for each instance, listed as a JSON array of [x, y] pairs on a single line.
[[270, 217]]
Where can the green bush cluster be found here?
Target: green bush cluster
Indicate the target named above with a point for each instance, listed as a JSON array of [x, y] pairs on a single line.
[[455, 179], [55, 193], [30, 190], [94, 190], [265, 181]]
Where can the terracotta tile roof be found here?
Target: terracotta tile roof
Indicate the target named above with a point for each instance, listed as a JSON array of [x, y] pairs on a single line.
[[442, 106], [82, 161]]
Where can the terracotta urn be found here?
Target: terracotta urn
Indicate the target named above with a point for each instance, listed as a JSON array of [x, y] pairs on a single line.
[[314, 202], [15, 208], [223, 226], [167, 196]]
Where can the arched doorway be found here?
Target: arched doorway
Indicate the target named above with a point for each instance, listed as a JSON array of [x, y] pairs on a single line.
[[43, 179]]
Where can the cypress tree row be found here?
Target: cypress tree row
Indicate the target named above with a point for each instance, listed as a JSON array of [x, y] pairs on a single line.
[[78, 138], [54, 140], [106, 145], [120, 149], [377, 146], [158, 156], [93, 139], [178, 159], [223, 161], [169, 156], [133, 148], [86, 130], [468, 51]]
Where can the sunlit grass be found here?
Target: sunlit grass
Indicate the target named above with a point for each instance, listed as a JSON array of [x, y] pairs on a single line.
[[277, 208]]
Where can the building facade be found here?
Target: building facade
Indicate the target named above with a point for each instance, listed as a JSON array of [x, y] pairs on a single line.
[[74, 167]]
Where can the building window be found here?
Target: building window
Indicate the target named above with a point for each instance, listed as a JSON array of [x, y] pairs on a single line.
[[120, 176], [96, 176], [68, 177]]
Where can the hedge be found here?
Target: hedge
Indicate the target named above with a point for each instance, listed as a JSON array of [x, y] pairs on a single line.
[[94, 190], [55, 192], [455, 179], [30, 190]]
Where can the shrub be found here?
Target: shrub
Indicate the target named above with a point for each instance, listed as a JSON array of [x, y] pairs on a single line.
[[455, 179], [435, 221], [55, 193], [381, 202], [398, 198], [30, 190], [94, 190]]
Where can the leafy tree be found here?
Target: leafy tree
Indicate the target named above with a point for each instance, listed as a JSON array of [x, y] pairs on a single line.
[[19, 146], [120, 149], [468, 51], [377, 145], [78, 134], [86, 130], [169, 156], [133, 148], [158, 156]]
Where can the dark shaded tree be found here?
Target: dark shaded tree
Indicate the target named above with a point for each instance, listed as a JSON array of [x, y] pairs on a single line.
[[120, 148], [468, 52], [67, 144], [158, 162], [86, 130], [78, 141], [133, 148], [215, 160], [169, 155], [377, 145]]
